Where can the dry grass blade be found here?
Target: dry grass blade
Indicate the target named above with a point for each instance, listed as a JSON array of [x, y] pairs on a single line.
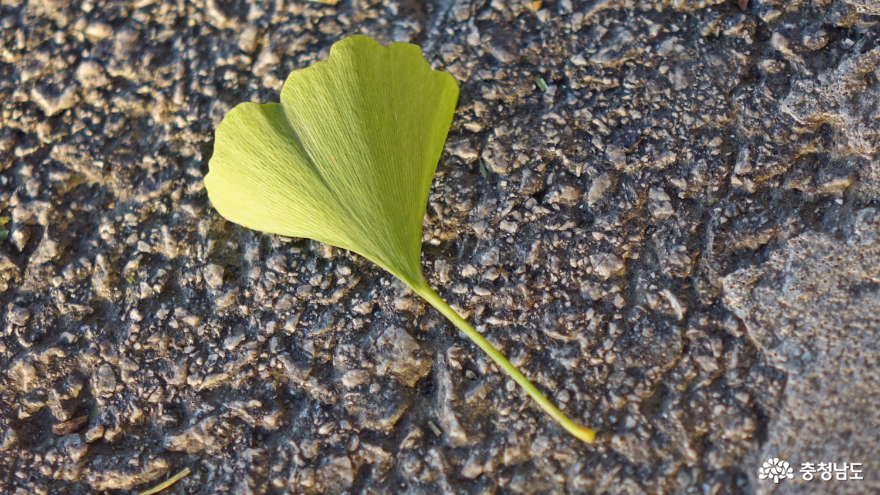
[[165, 484]]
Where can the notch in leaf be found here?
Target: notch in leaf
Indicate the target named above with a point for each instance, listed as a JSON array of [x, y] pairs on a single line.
[[347, 158]]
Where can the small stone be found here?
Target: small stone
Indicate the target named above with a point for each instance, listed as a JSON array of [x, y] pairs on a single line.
[[606, 264], [232, 341], [508, 226], [490, 257], [9, 439], [616, 155], [46, 251], [101, 277], [771, 15], [74, 446], [354, 378], [228, 299], [677, 306], [187, 318], [504, 54], [598, 188], [32, 70], [90, 74], [9, 273], [126, 475], [473, 126], [98, 31], [195, 439], [104, 381], [266, 62], [465, 150], [815, 39], [53, 105], [213, 275], [480, 291], [620, 49], [94, 434], [337, 474], [247, 42], [398, 354], [565, 195], [660, 204], [323, 249], [781, 44], [18, 315], [363, 308]]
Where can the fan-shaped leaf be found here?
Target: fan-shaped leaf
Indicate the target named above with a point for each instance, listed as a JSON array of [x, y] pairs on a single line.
[[347, 158]]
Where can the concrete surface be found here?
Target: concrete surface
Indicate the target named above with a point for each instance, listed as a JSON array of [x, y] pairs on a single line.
[[677, 241]]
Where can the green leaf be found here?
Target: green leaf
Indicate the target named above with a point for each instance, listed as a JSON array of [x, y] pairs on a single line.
[[347, 158]]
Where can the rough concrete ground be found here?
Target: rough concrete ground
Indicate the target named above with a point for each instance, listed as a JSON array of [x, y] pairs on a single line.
[[677, 241]]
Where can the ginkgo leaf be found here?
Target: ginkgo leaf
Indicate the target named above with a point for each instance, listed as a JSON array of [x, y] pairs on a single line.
[[347, 158]]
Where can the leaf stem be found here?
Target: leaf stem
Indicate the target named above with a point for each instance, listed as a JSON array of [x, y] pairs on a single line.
[[581, 432]]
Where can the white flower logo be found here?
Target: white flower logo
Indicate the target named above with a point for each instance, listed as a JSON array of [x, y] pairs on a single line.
[[776, 469]]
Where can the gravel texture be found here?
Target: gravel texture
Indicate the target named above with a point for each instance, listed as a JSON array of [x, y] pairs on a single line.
[[678, 241]]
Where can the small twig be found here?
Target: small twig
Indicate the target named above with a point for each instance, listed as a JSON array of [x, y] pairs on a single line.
[[165, 484], [70, 426]]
